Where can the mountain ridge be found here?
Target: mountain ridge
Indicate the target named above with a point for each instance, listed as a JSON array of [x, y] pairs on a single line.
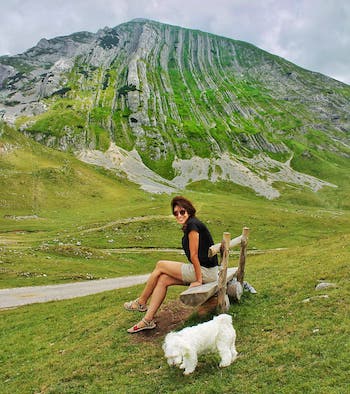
[[173, 94]]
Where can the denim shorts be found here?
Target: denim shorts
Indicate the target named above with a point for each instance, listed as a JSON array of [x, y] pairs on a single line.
[[189, 275]]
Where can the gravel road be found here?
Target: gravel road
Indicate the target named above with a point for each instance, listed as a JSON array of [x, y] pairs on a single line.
[[12, 298]]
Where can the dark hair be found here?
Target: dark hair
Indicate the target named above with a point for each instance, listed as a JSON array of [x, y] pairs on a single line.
[[183, 202]]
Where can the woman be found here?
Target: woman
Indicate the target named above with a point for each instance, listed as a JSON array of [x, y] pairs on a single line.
[[195, 242]]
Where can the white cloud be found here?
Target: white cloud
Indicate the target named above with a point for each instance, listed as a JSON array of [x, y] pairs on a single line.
[[314, 34]]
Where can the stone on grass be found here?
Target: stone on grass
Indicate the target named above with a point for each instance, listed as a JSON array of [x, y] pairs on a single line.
[[324, 285]]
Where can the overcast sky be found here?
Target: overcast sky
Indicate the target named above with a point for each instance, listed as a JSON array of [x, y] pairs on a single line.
[[314, 34]]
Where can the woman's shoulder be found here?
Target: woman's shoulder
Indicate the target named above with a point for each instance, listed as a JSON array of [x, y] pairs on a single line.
[[193, 223]]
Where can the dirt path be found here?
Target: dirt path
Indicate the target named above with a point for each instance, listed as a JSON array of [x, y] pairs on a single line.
[[170, 316], [18, 296], [12, 298], [125, 221]]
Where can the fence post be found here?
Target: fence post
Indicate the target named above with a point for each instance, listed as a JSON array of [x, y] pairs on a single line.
[[242, 255], [222, 282]]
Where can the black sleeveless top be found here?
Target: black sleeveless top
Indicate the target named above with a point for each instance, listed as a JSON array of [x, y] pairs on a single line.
[[205, 241]]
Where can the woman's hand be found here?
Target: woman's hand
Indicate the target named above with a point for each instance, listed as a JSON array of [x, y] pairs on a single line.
[[196, 283]]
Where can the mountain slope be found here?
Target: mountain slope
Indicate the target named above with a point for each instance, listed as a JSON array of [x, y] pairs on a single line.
[[173, 94], [39, 181]]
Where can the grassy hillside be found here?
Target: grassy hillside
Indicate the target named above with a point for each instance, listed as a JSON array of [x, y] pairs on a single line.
[[64, 221], [285, 345], [36, 180]]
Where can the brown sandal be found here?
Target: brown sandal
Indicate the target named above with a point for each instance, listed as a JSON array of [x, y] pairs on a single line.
[[148, 325]]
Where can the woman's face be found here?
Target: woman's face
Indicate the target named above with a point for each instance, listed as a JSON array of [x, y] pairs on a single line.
[[180, 214]]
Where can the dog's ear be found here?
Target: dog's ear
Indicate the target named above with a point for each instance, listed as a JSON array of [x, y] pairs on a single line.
[[185, 346], [166, 340], [170, 337]]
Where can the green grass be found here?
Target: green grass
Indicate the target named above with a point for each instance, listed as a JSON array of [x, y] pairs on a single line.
[[284, 344], [71, 263], [91, 224]]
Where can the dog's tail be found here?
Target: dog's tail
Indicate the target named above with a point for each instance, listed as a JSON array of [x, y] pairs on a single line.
[[224, 318]]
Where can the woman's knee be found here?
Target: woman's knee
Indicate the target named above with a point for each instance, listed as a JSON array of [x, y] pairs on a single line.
[[169, 268], [165, 280], [160, 264], [159, 268]]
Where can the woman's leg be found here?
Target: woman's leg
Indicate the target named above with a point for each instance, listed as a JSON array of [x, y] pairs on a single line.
[[158, 295], [171, 268]]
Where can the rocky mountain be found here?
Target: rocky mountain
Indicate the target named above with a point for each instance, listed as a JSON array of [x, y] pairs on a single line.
[[167, 106]]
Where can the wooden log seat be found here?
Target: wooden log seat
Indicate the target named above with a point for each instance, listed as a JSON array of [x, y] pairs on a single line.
[[195, 296]]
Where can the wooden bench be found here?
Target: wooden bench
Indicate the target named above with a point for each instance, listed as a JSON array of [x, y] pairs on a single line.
[[195, 296]]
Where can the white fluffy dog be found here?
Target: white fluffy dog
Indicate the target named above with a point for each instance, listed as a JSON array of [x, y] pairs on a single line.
[[182, 348]]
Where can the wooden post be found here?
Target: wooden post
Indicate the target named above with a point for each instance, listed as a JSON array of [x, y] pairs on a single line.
[[242, 255], [222, 307]]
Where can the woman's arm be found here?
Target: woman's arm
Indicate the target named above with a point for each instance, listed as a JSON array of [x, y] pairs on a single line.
[[193, 238]]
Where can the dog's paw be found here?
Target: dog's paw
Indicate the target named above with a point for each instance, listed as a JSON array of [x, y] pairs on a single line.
[[225, 363]]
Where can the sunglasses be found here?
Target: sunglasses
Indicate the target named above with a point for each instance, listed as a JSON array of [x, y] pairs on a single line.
[[181, 212]]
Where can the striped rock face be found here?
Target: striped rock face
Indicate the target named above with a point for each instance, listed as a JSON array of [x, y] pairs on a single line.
[[168, 106]]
